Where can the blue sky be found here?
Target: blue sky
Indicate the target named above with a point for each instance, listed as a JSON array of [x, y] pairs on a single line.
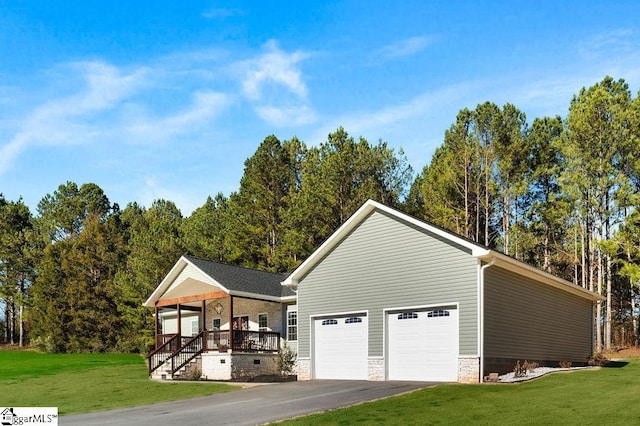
[[167, 99]]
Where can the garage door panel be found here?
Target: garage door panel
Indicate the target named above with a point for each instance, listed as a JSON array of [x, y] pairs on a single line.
[[423, 345], [340, 348]]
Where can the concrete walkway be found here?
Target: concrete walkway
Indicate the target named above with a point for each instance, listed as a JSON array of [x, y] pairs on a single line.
[[250, 406]]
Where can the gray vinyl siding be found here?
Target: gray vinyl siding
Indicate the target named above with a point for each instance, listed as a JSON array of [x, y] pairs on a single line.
[[388, 263], [525, 319]]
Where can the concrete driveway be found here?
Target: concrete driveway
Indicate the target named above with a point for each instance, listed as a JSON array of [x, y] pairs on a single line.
[[250, 406]]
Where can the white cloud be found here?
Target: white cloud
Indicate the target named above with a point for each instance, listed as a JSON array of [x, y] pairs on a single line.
[[63, 121], [107, 86], [274, 85], [203, 108], [609, 43], [275, 67], [287, 116], [424, 105], [406, 47], [220, 13], [109, 104]]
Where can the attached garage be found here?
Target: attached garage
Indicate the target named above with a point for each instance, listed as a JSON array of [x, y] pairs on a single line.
[[438, 306], [423, 344], [340, 347]]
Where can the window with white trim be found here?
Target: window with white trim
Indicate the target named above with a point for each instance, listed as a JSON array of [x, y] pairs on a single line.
[[329, 322], [438, 313], [353, 320], [262, 322], [292, 325]]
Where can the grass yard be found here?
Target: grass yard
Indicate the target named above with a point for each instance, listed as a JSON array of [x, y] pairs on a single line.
[[608, 396], [77, 383]]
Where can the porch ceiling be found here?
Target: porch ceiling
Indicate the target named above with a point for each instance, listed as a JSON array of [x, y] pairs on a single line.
[[189, 287]]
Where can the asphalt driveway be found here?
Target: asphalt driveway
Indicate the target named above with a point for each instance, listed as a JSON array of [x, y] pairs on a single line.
[[250, 406]]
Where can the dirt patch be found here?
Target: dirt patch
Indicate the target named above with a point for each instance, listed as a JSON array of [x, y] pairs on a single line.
[[270, 379], [624, 353], [9, 347]]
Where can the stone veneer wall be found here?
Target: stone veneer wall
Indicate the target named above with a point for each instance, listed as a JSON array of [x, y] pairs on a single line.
[[303, 368], [248, 366], [469, 369], [376, 369]]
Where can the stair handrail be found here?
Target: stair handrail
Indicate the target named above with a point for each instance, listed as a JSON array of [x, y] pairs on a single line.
[[159, 359], [197, 350]]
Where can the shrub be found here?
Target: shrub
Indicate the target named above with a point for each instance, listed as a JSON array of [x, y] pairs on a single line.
[[565, 364], [195, 374], [532, 366], [48, 344], [286, 359], [598, 359], [520, 370]]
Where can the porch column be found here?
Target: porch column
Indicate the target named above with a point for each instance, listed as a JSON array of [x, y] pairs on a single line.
[[157, 323], [203, 325], [231, 322], [179, 323]]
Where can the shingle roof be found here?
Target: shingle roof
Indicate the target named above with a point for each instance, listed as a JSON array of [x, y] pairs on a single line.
[[237, 278]]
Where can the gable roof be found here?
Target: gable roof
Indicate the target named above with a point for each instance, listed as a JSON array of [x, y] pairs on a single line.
[[234, 280], [478, 251]]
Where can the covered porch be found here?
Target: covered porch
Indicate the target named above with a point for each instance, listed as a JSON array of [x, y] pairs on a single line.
[[187, 326], [212, 313]]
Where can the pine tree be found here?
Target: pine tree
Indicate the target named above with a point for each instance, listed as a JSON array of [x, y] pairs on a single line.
[[16, 266], [598, 138], [154, 244]]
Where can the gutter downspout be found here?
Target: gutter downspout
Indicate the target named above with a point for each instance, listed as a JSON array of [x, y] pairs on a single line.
[[481, 303]]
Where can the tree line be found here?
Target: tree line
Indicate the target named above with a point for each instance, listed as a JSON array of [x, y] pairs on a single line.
[[558, 193], [74, 275]]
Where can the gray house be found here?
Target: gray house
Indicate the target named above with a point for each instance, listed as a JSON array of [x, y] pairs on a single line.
[[389, 297]]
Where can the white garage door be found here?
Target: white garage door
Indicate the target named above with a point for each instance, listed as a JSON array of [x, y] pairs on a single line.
[[423, 345], [340, 348]]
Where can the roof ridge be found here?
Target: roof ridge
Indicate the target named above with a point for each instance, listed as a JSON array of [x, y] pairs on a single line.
[[189, 256]]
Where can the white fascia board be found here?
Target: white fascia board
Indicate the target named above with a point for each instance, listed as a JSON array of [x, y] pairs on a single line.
[[255, 296], [357, 218], [285, 299], [505, 262], [166, 282]]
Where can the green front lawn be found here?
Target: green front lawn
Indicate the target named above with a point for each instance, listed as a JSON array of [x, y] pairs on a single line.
[[77, 383], [80, 383], [605, 396]]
